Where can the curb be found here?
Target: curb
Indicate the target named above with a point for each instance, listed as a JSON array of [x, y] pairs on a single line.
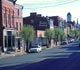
[[4, 55]]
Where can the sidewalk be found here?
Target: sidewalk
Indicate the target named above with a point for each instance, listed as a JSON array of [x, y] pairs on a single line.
[[11, 54]]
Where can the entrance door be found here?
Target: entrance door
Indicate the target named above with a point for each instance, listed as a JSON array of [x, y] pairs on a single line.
[[9, 41]]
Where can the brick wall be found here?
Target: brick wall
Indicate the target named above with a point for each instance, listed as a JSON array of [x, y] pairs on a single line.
[[7, 13], [40, 33], [6, 18], [18, 17]]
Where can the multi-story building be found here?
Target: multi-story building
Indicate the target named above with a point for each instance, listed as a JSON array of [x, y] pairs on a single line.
[[57, 21], [77, 25], [69, 17], [51, 22], [18, 24], [69, 24], [69, 21], [39, 23], [7, 24]]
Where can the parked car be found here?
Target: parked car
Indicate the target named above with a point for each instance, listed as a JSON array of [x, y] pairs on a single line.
[[72, 40], [35, 48], [63, 42]]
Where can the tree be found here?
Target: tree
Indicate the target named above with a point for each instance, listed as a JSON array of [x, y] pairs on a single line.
[[78, 33], [71, 33], [74, 33], [27, 33], [59, 34], [49, 33]]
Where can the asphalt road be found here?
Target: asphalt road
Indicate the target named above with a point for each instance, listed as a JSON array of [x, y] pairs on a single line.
[[58, 58]]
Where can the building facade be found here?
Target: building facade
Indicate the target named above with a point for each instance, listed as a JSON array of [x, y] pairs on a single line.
[[69, 17], [69, 23], [7, 25], [57, 21], [18, 25], [39, 23]]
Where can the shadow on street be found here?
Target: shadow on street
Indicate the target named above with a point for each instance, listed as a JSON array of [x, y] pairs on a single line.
[[54, 62]]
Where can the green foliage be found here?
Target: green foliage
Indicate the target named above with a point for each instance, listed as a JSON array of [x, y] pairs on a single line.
[[27, 33], [55, 33], [71, 33], [59, 33], [79, 33], [49, 33], [74, 33]]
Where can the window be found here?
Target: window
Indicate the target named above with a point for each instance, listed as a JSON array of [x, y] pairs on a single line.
[[32, 21], [18, 12], [9, 33], [5, 19], [20, 26], [13, 21], [13, 40], [9, 20], [17, 25]]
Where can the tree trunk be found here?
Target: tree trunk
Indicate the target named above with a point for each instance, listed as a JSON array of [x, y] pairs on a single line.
[[60, 39], [26, 46], [49, 43], [52, 43]]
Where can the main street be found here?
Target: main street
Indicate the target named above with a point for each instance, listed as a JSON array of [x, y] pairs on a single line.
[[65, 57]]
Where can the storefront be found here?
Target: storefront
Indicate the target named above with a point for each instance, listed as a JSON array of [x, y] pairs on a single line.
[[9, 39]]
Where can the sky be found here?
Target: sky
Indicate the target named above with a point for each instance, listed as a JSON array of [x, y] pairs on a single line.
[[52, 8]]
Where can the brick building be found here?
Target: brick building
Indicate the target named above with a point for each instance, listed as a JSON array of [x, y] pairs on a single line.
[[18, 25], [39, 23], [8, 24], [57, 21]]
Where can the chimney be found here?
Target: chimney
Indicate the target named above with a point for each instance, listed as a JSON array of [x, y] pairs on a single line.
[[33, 14]]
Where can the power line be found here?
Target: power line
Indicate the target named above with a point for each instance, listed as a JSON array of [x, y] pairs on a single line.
[[39, 3], [51, 5]]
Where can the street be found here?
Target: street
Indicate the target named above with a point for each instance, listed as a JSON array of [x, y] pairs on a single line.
[[66, 57]]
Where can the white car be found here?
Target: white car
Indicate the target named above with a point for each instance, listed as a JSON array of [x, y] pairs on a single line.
[[72, 40], [35, 48]]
